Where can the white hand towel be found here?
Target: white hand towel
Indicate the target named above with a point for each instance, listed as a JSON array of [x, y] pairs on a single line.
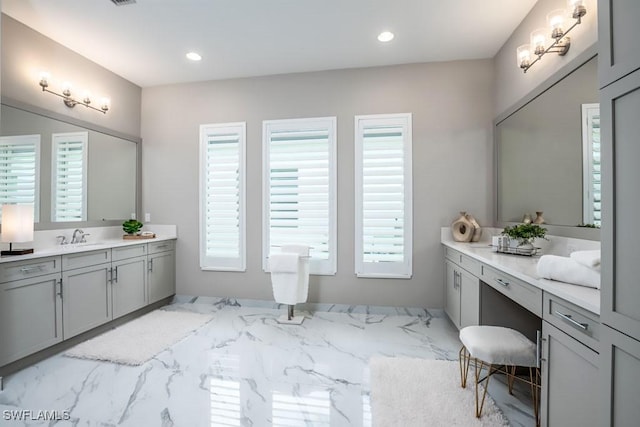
[[283, 263], [567, 270], [301, 250], [590, 259]]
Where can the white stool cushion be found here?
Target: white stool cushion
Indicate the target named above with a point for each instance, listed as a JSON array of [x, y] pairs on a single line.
[[498, 346]]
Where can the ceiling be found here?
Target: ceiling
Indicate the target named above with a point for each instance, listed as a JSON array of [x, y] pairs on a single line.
[[146, 42]]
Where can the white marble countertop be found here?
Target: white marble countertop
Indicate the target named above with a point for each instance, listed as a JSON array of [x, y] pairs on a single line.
[[103, 240], [524, 268]]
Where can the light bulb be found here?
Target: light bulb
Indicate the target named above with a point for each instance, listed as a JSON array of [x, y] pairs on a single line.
[[539, 41], [523, 56], [105, 104], [556, 21], [44, 79], [66, 89], [385, 36]]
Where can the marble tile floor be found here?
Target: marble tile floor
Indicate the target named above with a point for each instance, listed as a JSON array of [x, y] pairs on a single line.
[[243, 369]]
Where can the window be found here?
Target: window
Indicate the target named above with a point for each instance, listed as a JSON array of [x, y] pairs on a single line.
[[383, 237], [222, 197], [69, 176], [20, 171], [591, 163], [299, 188]]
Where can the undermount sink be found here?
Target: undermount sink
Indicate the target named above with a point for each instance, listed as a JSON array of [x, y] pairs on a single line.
[[72, 246]]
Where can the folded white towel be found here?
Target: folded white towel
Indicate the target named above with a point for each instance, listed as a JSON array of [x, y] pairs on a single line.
[[283, 263], [301, 250], [567, 270], [590, 259]]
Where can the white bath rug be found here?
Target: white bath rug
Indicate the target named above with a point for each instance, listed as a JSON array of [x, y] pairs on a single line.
[[139, 340], [419, 392]]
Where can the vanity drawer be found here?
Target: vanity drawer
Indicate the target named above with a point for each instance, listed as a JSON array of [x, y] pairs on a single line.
[[125, 252], [526, 295], [85, 259], [471, 265], [573, 320], [162, 246], [17, 270]]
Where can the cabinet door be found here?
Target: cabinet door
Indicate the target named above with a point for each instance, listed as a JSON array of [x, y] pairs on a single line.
[[469, 288], [452, 293], [161, 275], [129, 285], [570, 394], [620, 379], [618, 48], [86, 298], [30, 316], [620, 275]]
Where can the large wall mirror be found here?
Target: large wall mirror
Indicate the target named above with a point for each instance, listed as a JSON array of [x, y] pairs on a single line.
[[75, 174], [547, 153]]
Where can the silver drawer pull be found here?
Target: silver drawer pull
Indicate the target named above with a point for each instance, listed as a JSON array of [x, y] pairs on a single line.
[[568, 318], [27, 270], [162, 246], [502, 282]]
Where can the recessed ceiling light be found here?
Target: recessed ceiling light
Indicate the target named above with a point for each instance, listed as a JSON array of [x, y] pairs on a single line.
[[194, 56], [385, 36]]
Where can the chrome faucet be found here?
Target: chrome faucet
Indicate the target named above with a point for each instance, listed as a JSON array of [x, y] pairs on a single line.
[[75, 238]]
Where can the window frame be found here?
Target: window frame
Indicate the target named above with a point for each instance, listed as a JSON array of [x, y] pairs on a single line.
[[322, 267], [34, 139], [394, 270], [210, 263]]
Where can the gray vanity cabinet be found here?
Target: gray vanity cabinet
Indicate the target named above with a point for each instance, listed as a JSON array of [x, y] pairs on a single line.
[[618, 49], [462, 290], [569, 365], [452, 293], [129, 279], [620, 302], [161, 270], [86, 291], [569, 373], [30, 316]]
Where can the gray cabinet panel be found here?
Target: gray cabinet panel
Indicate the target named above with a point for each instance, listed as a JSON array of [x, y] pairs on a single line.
[[85, 259], [469, 299], [129, 285], [86, 301], [30, 316], [161, 275], [569, 381], [619, 51], [620, 104], [18, 270], [128, 252], [452, 293], [620, 365]]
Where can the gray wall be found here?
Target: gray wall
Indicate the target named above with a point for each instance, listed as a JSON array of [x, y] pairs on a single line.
[[511, 84], [452, 148], [26, 53]]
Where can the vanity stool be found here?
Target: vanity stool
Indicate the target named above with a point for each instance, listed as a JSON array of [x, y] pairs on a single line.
[[501, 350]]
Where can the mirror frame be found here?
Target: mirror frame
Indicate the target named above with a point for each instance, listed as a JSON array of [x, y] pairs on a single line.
[[570, 67], [90, 126]]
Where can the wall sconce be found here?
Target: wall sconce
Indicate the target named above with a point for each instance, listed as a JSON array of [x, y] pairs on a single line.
[[560, 44], [17, 227], [68, 100]]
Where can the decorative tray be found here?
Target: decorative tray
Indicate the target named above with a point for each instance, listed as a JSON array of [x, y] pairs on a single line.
[[516, 250], [138, 236]]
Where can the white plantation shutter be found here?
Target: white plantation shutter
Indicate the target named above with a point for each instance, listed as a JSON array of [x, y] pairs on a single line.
[[299, 189], [591, 160], [20, 171], [222, 196], [383, 196], [69, 176]]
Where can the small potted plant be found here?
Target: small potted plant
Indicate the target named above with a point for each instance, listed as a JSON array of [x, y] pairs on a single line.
[[525, 234], [132, 226]]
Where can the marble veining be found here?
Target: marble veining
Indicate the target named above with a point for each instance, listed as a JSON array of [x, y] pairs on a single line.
[[241, 369]]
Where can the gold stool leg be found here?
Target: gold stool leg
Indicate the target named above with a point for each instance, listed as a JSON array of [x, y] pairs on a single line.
[[534, 377], [511, 375], [480, 404], [464, 359]]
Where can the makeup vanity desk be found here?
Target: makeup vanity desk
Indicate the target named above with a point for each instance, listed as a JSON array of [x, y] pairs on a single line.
[[483, 287]]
